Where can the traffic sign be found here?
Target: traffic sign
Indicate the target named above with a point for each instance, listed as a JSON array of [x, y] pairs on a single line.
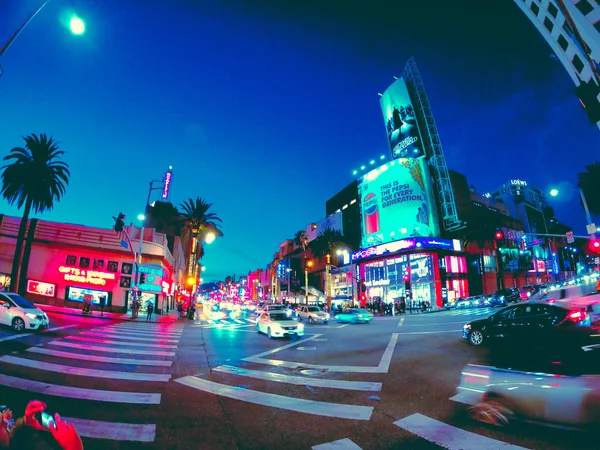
[[124, 244], [570, 237], [591, 228]]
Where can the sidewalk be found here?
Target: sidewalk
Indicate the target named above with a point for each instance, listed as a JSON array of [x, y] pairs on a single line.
[[169, 317]]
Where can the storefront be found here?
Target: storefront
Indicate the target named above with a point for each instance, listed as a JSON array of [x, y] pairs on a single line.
[[417, 270]]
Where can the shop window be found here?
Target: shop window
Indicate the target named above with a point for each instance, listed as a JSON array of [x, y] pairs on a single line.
[[548, 24], [125, 282], [112, 266], [584, 7], [71, 261], [98, 264], [535, 8], [563, 42], [127, 268], [84, 263], [553, 10], [456, 264]]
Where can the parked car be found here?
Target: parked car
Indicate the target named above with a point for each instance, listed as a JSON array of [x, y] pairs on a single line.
[[313, 314], [20, 314], [532, 323], [278, 324]]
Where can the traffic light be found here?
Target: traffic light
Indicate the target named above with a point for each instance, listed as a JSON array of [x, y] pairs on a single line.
[[119, 222], [499, 235], [142, 278], [588, 96], [594, 245], [363, 297]]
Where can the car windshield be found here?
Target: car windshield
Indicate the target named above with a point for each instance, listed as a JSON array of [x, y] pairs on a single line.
[[275, 307], [20, 301], [281, 318], [313, 309]]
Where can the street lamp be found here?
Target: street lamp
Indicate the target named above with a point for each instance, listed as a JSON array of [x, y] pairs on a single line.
[[77, 25], [554, 193], [210, 237], [141, 217], [308, 264]]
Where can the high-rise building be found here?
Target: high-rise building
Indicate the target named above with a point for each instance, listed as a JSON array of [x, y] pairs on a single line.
[[572, 29]]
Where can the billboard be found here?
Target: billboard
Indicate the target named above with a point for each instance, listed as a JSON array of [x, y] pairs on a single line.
[[401, 122], [396, 203]]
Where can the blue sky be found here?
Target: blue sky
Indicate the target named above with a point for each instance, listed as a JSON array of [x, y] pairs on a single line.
[[264, 108]]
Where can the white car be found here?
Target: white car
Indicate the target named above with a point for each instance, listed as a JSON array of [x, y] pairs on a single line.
[[20, 314], [278, 324], [312, 314]]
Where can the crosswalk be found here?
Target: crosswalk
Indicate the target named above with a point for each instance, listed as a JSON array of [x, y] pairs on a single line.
[[469, 312], [126, 363]]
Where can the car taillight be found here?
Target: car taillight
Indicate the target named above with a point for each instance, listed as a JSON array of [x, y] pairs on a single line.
[[577, 316]]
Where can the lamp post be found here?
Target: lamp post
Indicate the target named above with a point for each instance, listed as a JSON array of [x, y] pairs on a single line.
[[588, 216], [308, 264]]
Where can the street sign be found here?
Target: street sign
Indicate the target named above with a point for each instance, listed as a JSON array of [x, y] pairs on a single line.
[[124, 244], [570, 237], [591, 228], [536, 242]]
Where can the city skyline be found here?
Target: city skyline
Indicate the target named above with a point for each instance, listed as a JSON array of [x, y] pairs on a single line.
[[277, 95]]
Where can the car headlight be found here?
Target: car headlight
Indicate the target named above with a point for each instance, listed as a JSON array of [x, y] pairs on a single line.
[[327, 316], [31, 316], [467, 326], [300, 326], [502, 297]]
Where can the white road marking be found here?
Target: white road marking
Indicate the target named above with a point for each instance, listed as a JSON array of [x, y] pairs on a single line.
[[342, 326], [338, 410], [115, 431], [117, 335], [341, 444], [19, 336], [301, 381], [109, 342], [136, 332], [112, 349], [467, 397], [283, 347], [427, 324], [448, 436], [382, 367], [80, 393], [431, 332], [146, 329], [106, 359], [94, 373], [401, 322]]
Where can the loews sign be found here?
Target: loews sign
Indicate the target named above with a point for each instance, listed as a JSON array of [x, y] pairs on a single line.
[[94, 277]]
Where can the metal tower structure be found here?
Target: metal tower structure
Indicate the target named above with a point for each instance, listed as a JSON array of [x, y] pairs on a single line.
[[433, 147]]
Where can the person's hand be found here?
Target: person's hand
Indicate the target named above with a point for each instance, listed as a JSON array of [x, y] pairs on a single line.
[[34, 407], [65, 435]]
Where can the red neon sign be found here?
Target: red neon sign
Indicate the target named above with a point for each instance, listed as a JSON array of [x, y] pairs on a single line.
[[41, 288], [94, 277], [168, 177]]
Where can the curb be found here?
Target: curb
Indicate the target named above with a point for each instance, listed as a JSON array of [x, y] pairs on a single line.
[[123, 318]]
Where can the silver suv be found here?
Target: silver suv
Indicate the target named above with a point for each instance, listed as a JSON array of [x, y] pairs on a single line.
[[312, 314]]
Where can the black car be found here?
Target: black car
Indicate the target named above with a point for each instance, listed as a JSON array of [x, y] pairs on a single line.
[[503, 297], [534, 324]]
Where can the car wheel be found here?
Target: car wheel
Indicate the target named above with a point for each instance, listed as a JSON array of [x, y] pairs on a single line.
[[492, 412], [18, 324], [269, 333], [325, 322], [257, 329], [476, 337], [311, 320]]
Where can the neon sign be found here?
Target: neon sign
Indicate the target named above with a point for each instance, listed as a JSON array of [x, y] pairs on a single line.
[[518, 182], [406, 244], [94, 277], [41, 288], [151, 271], [167, 185]]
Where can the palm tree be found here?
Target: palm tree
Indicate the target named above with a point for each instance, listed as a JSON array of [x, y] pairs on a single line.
[[36, 178], [197, 219], [326, 242], [589, 183], [301, 239]]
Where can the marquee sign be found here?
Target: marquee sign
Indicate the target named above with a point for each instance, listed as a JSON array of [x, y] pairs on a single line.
[[41, 288], [94, 277], [407, 244]]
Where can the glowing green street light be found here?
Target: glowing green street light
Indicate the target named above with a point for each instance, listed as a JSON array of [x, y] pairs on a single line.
[[77, 25], [554, 192]]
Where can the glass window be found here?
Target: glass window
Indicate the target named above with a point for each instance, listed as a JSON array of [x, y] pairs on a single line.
[[508, 313], [584, 7], [535, 8], [577, 63], [553, 10], [597, 26], [20, 301], [548, 24]]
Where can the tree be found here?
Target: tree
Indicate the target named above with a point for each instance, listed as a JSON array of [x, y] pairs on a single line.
[[326, 243], [301, 239], [589, 182], [35, 179]]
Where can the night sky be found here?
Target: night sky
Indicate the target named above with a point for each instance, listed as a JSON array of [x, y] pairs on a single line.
[[264, 108]]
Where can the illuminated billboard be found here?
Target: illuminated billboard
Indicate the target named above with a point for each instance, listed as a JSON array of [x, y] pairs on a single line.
[[401, 122], [396, 203]]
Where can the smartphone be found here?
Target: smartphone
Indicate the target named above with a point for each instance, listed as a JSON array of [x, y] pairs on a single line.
[[46, 420]]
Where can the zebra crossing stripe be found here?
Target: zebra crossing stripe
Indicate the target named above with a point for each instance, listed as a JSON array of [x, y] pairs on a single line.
[[131, 351], [450, 437], [341, 444], [106, 359], [109, 342], [94, 373], [339, 410], [79, 393], [96, 429], [113, 335]]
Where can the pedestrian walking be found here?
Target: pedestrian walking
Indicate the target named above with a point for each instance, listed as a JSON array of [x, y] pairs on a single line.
[[149, 310], [102, 304]]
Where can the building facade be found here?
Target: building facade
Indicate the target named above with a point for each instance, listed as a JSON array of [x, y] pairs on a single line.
[[62, 263]]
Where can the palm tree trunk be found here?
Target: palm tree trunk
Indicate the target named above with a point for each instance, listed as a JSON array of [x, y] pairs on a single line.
[[14, 273]]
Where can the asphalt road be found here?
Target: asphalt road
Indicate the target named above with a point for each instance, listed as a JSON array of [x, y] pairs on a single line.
[[221, 385]]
